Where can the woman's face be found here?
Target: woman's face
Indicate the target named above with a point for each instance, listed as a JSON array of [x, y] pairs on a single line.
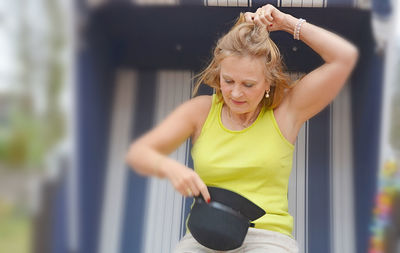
[[243, 83]]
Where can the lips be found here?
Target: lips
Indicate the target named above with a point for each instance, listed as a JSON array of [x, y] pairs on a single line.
[[238, 102]]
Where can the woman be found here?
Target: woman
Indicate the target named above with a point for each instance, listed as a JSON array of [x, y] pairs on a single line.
[[243, 136]]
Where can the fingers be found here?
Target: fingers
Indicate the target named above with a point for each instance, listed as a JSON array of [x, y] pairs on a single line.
[[192, 189], [189, 192], [249, 16], [264, 16], [267, 16], [185, 184], [257, 19], [203, 189], [268, 13], [189, 184], [197, 187]]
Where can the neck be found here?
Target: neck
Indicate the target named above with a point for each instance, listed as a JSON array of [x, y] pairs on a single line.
[[243, 119]]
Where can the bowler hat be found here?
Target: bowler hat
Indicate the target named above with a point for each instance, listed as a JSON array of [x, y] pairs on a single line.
[[222, 224]]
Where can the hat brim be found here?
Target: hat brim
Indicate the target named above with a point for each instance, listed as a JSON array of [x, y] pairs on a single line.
[[236, 202]]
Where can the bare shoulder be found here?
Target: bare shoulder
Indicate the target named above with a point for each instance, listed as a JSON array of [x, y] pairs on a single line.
[[180, 124], [199, 108], [202, 103], [191, 112]]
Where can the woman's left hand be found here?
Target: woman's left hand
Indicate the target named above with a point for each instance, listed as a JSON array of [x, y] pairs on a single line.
[[268, 16]]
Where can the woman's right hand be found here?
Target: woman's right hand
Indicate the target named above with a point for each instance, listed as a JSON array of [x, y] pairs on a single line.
[[185, 180], [268, 16]]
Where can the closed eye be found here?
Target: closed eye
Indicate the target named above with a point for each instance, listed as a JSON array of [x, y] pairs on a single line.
[[228, 81], [248, 85]]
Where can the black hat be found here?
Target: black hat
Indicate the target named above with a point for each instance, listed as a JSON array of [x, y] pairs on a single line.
[[222, 224]]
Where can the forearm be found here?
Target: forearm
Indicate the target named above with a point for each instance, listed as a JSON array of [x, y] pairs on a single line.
[[147, 161], [331, 47]]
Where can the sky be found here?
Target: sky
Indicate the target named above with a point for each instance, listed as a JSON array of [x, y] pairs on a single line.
[[10, 17], [8, 23]]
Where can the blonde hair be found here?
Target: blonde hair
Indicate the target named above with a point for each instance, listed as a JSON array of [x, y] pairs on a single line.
[[248, 39]]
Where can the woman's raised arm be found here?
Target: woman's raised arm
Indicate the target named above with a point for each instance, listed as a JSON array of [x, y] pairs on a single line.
[[318, 88]]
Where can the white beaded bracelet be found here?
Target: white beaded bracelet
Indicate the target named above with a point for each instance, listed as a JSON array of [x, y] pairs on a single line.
[[296, 32]]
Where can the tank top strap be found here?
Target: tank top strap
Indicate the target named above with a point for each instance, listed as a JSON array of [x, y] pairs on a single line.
[[213, 115]]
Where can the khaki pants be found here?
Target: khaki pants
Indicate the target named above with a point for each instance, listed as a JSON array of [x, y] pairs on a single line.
[[256, 241]]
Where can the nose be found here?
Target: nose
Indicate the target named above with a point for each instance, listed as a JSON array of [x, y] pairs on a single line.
[[236, 91]]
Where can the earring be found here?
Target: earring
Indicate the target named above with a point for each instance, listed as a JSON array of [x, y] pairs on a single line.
[[267, 94]]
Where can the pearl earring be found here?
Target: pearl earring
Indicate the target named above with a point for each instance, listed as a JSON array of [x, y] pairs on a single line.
[[267, 94]]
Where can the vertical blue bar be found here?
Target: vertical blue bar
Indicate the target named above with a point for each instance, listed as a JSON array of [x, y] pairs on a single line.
[[59, 218], [319, 215], [382, 7], [94, 96], [366, 99], [133, 222]]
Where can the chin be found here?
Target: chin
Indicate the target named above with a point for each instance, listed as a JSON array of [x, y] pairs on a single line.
[[238, 109]]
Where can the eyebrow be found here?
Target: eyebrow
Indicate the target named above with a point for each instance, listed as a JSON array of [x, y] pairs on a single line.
[[226, 76]]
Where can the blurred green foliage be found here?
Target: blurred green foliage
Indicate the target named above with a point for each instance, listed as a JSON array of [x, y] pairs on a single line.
[[25, 141], [26, 136], [15, 230]]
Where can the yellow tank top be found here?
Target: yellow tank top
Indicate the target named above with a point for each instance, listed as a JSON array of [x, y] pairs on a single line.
[[255, 162]]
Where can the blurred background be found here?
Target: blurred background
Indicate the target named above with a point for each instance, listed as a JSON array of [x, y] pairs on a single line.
[[81, 79]]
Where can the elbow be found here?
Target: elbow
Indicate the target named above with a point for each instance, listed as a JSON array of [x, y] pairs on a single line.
[[350, 57], [354, 54], [347, 59], [346, 56], [134, 159], [130, 157]]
